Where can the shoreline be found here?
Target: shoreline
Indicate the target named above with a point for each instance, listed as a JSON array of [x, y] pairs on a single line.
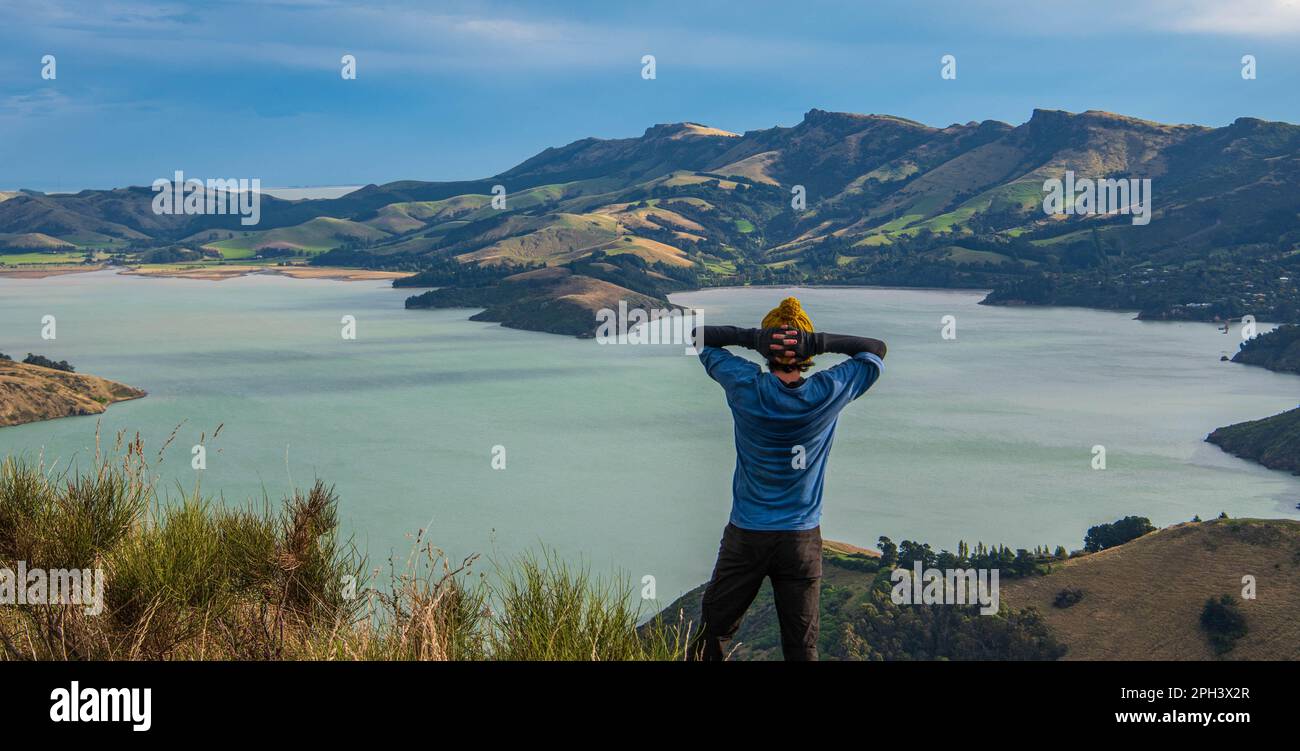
[[956, 290], [38, 272], [212, 273], [221, 273], [342, 273]]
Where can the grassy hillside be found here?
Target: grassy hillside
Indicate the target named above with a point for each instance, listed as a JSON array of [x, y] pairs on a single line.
[[402, 217], [1143, 600], [315, 236], [1139, 600], [559, 238], [32, 241], [42, 258], [29, 393]]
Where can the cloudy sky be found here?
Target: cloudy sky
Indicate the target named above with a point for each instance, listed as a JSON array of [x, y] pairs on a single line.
[[452, 90]]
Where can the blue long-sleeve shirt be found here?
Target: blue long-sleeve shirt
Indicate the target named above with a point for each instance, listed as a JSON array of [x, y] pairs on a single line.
[[783, 435]]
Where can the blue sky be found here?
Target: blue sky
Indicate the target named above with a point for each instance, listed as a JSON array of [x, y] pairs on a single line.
[[451, 90]]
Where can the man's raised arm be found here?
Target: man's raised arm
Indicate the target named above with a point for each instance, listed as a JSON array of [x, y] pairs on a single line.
[[727, 336], [842, 344]]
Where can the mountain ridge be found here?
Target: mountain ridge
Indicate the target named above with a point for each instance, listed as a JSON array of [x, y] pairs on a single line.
[[836, 198]]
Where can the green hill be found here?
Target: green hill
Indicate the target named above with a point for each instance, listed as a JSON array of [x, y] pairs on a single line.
[[32, 241], [1273, 441], [1278, 349], [315, 236]]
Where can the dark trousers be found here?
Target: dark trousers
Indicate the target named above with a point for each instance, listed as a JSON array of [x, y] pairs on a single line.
[[792, 560]]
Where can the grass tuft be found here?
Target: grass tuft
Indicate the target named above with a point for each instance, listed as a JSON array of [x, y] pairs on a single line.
[[187, 578]]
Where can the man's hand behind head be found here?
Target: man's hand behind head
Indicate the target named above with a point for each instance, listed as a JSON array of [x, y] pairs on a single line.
[[785, 345]]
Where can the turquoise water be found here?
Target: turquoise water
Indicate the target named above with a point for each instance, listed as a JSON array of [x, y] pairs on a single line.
[[622, 455]]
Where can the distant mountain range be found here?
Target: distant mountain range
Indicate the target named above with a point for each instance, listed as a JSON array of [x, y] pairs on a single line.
[[887, 201]]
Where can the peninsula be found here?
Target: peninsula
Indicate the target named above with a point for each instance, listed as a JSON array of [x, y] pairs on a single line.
[[31, 393]]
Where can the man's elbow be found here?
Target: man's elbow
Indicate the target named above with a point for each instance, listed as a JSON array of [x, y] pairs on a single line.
[[878, 348]]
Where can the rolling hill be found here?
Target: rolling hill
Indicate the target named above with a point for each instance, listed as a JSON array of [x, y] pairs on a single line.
[[1141, 600], [33, 241], [886, 200], [313, 236]]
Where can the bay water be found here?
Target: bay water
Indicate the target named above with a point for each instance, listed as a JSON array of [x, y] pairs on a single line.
[[620, 456]]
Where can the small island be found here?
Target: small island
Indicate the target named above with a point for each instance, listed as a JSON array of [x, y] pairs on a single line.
[[31, 393]]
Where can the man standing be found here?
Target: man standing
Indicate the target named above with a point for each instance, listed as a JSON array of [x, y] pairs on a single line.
[[784, 424]]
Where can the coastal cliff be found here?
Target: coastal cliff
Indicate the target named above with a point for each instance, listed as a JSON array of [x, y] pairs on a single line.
[[1277, 350], [1273, 441]]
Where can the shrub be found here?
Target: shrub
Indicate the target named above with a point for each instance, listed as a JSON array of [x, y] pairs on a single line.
[[1223, 623], [45, 362], [173, 254], [1067, 597], [550, 611]]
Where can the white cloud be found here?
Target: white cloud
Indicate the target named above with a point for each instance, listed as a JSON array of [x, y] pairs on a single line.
[[311, 34], [1264, 18], [37, 103]]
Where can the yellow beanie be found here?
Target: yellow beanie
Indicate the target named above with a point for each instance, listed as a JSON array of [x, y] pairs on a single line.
[[789, 313]]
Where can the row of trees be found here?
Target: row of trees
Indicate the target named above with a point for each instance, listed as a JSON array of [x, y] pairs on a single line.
[[42, 361], [1010, 563], [1013, 563]]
